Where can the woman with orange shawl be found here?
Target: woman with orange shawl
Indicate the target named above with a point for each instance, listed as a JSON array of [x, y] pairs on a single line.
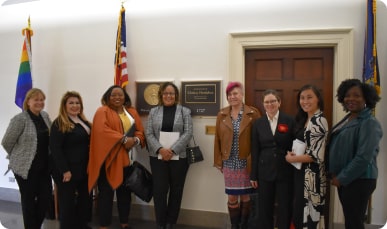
[[109, 157]]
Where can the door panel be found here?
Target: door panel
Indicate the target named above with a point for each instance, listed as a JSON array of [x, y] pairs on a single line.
[[287, 70]]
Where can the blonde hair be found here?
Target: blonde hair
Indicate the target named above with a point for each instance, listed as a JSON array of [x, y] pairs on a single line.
[[32, 93], [63, 121]]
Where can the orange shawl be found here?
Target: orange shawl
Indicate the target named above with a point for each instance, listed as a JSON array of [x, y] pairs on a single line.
[[106, 132]]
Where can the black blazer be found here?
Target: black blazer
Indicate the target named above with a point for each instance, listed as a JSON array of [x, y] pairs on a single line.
[[268, 152], [69, 151]]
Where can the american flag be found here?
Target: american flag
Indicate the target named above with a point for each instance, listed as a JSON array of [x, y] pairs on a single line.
[[120, 60]]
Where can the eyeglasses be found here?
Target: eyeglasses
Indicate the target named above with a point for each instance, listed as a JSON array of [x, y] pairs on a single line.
[[168, 94], [270, 102]]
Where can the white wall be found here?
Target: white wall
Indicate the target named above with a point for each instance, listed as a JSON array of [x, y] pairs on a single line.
[[73, 49]]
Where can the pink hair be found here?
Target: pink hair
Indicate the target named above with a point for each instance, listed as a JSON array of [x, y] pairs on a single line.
[[232, 85]]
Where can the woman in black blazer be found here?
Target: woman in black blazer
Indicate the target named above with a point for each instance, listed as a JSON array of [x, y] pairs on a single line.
[[272, 137], [69, 144]]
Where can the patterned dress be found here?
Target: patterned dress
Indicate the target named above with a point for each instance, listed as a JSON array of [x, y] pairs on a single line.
[[236, 176], [313, 174]]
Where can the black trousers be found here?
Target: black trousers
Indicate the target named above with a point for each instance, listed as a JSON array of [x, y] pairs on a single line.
[[105, 200], [280, 191], [35, 193], [168, 177], [299, 201], [354, 199], [74, 203]]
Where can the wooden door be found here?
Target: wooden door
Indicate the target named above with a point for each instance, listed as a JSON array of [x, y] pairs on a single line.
[[287, 70]]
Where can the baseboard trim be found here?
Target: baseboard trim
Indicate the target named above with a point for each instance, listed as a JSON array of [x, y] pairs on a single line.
[[10, 194], [187, 216], [146, 212]]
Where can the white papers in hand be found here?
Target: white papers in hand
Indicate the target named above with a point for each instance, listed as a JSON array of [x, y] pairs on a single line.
[[166, 140], [299, 149]]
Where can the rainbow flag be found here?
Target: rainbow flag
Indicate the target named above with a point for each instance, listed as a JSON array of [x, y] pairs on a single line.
[[24, 80], [120, 61], [370, 62]]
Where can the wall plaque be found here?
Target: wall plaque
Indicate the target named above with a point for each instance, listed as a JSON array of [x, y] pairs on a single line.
[[147, 97], [202, 97]]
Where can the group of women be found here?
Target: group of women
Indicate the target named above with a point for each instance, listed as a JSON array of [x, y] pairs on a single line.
[[253, 151], [258, 152], [80, 155]]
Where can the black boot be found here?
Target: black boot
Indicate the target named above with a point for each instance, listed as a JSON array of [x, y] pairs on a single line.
[[245, 214], [235, 215]]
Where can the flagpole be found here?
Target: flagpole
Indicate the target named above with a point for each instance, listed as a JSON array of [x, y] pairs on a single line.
[[375, 83], [375, 79]]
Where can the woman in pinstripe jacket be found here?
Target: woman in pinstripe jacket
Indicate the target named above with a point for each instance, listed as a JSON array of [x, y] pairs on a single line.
[[168, 163]]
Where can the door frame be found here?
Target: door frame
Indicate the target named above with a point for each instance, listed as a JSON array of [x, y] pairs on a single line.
[[341, 39]]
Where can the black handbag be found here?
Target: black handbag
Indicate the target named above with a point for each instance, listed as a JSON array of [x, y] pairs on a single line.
[[139, 180], [194, 154]]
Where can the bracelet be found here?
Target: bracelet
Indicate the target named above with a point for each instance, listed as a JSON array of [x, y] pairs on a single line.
[[136, 141], [125, 140]]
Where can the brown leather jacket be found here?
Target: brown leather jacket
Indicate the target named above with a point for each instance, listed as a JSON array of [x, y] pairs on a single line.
[[224, 134]]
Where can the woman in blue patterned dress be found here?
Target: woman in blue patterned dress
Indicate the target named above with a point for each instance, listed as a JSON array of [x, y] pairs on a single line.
[[310, 181], [232, 150]]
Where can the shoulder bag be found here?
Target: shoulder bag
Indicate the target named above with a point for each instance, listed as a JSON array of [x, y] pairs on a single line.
[[194, 154], [139, 180]]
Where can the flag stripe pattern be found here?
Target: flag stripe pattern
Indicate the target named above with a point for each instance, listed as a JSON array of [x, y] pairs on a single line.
[[370, 64], [120, 60], [24, 81]]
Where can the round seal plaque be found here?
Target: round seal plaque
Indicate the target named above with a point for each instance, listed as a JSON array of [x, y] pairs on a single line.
[[150, 94]]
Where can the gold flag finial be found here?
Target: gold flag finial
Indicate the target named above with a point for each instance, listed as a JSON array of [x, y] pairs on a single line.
[[28, 28]]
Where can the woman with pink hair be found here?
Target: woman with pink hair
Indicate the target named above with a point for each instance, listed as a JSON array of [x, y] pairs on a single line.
[[232, 150]]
